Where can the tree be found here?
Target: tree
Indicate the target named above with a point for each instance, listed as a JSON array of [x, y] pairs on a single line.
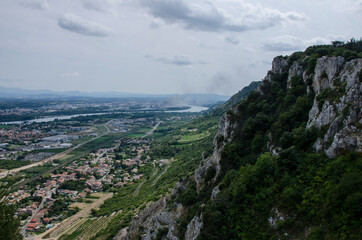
[[9, 225]]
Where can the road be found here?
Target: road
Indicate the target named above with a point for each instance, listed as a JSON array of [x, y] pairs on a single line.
[[41, 205], [153, 129]]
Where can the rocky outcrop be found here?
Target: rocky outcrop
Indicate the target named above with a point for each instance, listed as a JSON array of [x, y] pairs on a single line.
[[295, 70], [279, 65], [214, 193], [151, 220], [225, 133], [338, 114], [194, 228]]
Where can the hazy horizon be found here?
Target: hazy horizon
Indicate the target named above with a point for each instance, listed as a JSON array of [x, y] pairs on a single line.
[[160, 47]]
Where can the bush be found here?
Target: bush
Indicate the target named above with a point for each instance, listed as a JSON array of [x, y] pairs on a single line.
[[210, 173]]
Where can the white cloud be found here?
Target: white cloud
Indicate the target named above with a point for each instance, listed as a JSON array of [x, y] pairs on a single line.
[[318, 41], [74, 74], [287, 43], [284, 43], [82, 26], [218, 15]]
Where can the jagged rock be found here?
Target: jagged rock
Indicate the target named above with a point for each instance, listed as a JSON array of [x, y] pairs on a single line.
[[194, 228], [223, 136], [276, 216], [151, 219], [278, 66], [326, 69], [180, 186], [214, 193], [295, 70], [325, 117], [318, 145]]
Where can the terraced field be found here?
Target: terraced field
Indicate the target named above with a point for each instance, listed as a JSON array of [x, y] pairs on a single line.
[[71, 224], [86, 228]]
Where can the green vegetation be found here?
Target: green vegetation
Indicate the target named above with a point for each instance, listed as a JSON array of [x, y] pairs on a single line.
[[144, 130], [73, 185], [9, 229], [77, 232], [349, 50], [319, 193], [193, 137], [135, 135], [5, 126], [10, 164]]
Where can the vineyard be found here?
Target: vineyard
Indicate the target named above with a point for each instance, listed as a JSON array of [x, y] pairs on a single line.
[[86, 228]]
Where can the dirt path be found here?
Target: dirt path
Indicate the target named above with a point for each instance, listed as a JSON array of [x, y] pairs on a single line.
[[68, 223]]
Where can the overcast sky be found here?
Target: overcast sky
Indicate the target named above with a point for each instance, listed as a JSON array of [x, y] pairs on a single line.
[[160, 46]]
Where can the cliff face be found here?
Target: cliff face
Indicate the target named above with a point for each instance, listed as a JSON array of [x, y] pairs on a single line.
[[337, 104], [339, 113], [333, 84]]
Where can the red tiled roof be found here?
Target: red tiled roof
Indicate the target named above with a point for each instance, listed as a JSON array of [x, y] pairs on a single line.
[[33, 225]]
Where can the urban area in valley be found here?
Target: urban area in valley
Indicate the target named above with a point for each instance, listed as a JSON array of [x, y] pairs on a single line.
[[62, 160]]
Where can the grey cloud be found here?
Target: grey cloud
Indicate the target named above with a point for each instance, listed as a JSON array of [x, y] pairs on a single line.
[[232, 39], [220, 83], [100, 6], [10, 80], [207, 15], [35, 4], [93, 5], [79, 25], [176, 60]]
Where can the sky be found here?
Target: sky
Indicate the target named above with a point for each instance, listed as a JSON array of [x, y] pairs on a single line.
[[160, 46]]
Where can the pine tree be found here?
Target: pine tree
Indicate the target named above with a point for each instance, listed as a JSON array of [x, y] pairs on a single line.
[[9, 225]]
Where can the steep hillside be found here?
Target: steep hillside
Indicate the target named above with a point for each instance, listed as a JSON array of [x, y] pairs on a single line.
[[286, 162], [234, 100]]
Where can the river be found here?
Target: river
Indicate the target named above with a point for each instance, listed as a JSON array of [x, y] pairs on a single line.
[[50, 119], [193, 109]]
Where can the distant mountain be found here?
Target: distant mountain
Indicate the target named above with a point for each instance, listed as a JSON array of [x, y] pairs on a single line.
[[235, 99], [169, 99]]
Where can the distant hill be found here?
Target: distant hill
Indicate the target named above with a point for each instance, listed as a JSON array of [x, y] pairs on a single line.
[[168, 99]]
